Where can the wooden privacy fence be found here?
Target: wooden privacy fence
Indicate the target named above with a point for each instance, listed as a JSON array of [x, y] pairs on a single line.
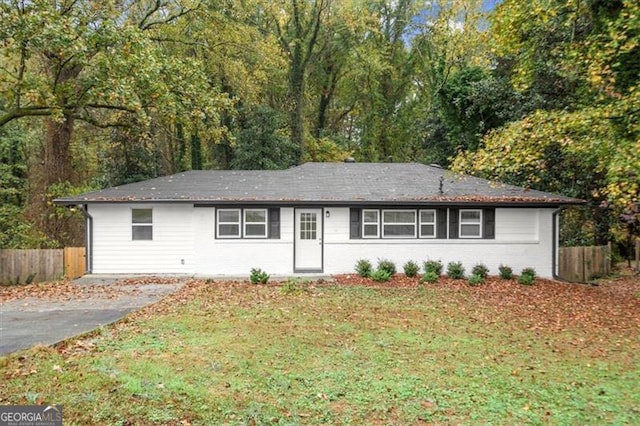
[[37, 265], [582, 264]]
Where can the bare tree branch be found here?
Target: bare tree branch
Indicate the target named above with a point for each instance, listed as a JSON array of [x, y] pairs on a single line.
[[143, 22], [182, 12], [24, 112]]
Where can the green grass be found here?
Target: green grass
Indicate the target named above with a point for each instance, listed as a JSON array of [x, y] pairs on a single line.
[[244, 354]]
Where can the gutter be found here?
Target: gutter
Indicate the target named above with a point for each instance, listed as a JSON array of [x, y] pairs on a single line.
[[88, 238], [555, 245], [330, 203]]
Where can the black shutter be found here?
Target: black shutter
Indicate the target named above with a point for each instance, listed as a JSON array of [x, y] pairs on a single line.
[[453, 223], [441, 223], [489, 224], [355, 223], [274, 224]]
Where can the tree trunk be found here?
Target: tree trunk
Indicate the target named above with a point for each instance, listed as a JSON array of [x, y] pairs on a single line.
[[196, 151], [297, 96], [56, 153], [54, 168], [326, 96], [182, 148]]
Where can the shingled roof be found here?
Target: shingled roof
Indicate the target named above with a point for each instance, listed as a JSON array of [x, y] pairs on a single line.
[[323, 184]]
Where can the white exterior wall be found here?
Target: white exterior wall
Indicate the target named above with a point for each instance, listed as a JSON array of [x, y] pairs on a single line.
[[114, 250], [237, 256], [523, 238]]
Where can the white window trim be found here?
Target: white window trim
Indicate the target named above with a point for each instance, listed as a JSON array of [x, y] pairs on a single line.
[[479, 223], [218, 223], [305, 233], [434, 223], [137, 224], [245, 223], [377, 223], [399, 223]]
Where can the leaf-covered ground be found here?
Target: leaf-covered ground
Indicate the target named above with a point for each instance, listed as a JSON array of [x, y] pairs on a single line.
[[70, 290], [351, 352], [612, 305]]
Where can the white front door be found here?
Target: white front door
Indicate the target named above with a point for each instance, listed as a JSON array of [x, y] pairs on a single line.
[[308, 244]]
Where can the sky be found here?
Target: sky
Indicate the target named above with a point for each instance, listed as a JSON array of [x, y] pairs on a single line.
[[488, 5]]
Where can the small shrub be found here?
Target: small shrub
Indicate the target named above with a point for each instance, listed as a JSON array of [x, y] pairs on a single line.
[[411, 268], [258, 276], [387, 265], [529, 271], [481, 270], [364, 268], [526, 279], [294, 286], [429, 277], [527, 276], [434, 266], [381, 275], [455, 270], [506, 273], [476, 279]]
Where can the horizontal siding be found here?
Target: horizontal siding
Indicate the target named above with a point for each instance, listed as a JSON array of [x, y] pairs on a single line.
[[517, 224], [237, 256], [182, 232], [114, 251], [523, 239]]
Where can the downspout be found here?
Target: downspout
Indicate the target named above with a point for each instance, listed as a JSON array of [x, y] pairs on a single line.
[[88, 239], [555, 246]]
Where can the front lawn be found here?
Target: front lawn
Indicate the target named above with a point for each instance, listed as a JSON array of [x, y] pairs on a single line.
[[234, 353]]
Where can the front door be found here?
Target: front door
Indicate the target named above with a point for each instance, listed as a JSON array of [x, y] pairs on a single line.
[[308, 244]]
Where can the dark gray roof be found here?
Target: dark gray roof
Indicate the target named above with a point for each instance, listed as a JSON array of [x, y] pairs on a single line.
[[322, 183]]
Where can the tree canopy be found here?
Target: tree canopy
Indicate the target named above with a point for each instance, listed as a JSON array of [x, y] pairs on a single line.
[[98, 93]]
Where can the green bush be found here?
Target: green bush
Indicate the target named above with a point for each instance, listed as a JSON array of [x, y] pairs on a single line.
[[294, 286], [529, 271], [258, 276], [411, 268], [455, 270], [434, 266], [527, 276], [381, 275], [429, 277], [526, 279], [476, 279], [506, 273], [387, 265], [364, 268], [481, 270]]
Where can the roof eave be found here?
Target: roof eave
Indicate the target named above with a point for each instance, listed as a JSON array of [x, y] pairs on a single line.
[[333, 203]]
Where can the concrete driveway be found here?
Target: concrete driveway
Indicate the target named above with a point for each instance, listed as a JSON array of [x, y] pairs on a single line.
[[92, 302]]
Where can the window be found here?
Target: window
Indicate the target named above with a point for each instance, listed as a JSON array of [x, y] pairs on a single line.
[[248, 223], [398, 224], [142, 224], [370, 224], [308, 226], [229, 223], [427, 223], [255, 223], [470, 223]]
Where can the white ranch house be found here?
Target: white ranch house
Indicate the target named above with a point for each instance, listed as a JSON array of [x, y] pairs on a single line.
[[317, 218]]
